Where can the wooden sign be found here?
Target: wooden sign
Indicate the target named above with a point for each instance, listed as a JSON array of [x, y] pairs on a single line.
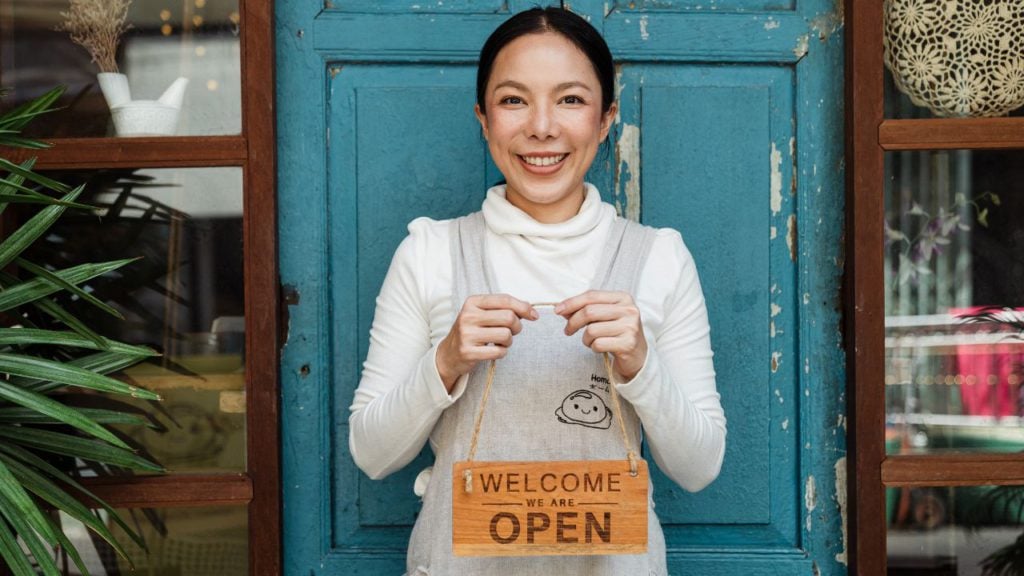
[[549, 508]]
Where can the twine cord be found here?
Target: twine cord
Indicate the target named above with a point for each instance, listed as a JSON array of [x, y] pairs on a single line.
[[630, 453]]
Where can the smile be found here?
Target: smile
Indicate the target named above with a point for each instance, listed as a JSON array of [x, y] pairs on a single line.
[[543, 160]]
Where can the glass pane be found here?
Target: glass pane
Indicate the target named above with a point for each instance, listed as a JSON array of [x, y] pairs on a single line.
[[952, 59], [194, 39], [954, 280], [967, 531], [181, 541], [183, 298]]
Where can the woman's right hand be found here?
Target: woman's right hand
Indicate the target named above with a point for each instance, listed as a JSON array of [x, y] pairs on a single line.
[[483, 330]]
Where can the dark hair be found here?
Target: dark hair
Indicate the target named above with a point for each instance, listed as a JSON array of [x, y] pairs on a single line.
[[552, 19]]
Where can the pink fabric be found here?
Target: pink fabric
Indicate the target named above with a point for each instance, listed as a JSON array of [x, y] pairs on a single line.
[[985, 370]]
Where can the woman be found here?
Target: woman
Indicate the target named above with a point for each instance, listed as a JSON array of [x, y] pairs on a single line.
[[459, 293]]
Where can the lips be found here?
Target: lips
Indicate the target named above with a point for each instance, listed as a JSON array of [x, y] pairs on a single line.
[[542, 163]]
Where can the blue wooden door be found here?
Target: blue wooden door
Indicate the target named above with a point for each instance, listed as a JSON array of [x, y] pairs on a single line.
[[730, 131]]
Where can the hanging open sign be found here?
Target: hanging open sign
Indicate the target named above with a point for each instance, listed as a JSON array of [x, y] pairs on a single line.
[[565, 508], [549, 508]]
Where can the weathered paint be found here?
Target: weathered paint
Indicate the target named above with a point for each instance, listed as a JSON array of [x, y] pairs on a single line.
[[791, 236], [776, 179], [627, 174], [840, 497], [810, 501]]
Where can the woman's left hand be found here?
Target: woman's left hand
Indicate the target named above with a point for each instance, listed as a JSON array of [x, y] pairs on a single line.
[[611, 323]]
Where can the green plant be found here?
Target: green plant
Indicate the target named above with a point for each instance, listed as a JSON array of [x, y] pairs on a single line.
[[42, 432]]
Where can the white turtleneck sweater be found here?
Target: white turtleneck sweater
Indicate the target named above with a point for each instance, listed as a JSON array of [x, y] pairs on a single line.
[[401, 396]]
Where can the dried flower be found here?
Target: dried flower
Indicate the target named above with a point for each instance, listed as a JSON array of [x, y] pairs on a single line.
[[97, 26]]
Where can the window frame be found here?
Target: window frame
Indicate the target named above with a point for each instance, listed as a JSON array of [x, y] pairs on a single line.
[[254, 151], [869, 135]]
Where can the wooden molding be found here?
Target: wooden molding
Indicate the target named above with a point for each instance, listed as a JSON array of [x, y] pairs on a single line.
[[953, 470], [156, 152], [952, 134], [172, 490]]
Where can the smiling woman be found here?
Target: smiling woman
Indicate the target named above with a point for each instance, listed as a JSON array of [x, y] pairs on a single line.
[[460, 313]]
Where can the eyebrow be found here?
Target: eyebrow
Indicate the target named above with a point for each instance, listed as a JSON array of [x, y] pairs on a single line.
[[559, 88]]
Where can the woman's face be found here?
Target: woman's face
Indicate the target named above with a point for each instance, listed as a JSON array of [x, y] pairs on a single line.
[[544, 123]]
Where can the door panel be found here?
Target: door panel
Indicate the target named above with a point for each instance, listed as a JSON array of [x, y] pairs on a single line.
[[723, 105]]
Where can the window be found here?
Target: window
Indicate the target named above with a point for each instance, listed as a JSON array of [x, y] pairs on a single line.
[[205, 293], [935, 293]]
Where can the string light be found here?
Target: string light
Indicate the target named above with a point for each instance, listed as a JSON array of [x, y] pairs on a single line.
[[211, 85], [166, 29], [197, 21], [165, 15], [200, 51]]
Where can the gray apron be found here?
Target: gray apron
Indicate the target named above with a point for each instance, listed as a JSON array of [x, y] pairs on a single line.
[[550, 401]]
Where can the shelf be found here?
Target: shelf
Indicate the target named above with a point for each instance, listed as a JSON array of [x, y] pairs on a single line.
[[953, 470], [155, 152], [952, 134], [172, 490]]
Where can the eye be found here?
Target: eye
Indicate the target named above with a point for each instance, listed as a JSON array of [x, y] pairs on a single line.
[[595, 407], [575, 406], [573, 100], [511, 100]]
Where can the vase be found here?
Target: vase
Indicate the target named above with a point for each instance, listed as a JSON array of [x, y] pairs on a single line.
[[142, 117], [958, 58]]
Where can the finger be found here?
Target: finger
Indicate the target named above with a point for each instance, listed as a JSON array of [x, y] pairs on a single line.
[[504, 301], [570, 306], [625, 337], [484, 353], [496, 336], [499, 318], [593, 313]]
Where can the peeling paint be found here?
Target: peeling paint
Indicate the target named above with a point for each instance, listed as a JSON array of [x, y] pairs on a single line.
[[807, 298], [776, 197], [791, 236], [778, 395], [827, 24], [771, 329], [800, 50], [772, 24], [810, 499], [644, 35], [776, 309], [785, 424], [618, 92], [776, 357], [627, 150], [774, 232], [840, 468]]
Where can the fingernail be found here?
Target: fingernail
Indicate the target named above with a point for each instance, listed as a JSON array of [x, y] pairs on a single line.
[[559, 308], [534, 314]]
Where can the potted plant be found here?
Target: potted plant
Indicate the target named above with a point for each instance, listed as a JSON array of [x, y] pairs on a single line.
[[45, 353], [97, 26]]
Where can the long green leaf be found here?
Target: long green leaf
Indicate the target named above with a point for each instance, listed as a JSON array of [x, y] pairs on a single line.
[[39, 199], [70, 549], [37, 463], [19, 415], [65, 373], [27, 233], [36, 288], [31, 176], [6, 190], [49, 491], [101, 362], [57, 410], [16, 118], [31, 336], [55, 279], [12, 553], [56, 311], [35, 531], [59, 443]]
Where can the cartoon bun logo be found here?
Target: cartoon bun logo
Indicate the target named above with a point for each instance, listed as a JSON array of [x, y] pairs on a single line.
[[586, 409]]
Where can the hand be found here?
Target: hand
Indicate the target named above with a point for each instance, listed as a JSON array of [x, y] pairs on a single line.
[[483, 330], [610, 323]]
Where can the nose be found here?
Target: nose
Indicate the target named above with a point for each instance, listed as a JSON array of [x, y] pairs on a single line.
[[542, 124]]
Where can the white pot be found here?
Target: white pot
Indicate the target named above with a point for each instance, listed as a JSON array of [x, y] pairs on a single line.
[[142, 117]]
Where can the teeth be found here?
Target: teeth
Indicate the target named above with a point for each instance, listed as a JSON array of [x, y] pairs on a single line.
[[543, 160]]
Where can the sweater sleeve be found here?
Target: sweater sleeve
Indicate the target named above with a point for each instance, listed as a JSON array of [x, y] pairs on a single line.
[[400, 395], [674, 394]]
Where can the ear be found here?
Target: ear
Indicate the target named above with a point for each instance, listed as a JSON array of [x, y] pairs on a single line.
[[608, 118], [482, 118]]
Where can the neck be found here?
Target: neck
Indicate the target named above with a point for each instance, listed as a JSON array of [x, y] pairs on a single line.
[[553, 213]]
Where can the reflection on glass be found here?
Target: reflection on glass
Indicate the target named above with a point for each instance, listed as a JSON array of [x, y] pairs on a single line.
[[968, 531], [954, 280], [181, 541], [167, 39], [183, 298]]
